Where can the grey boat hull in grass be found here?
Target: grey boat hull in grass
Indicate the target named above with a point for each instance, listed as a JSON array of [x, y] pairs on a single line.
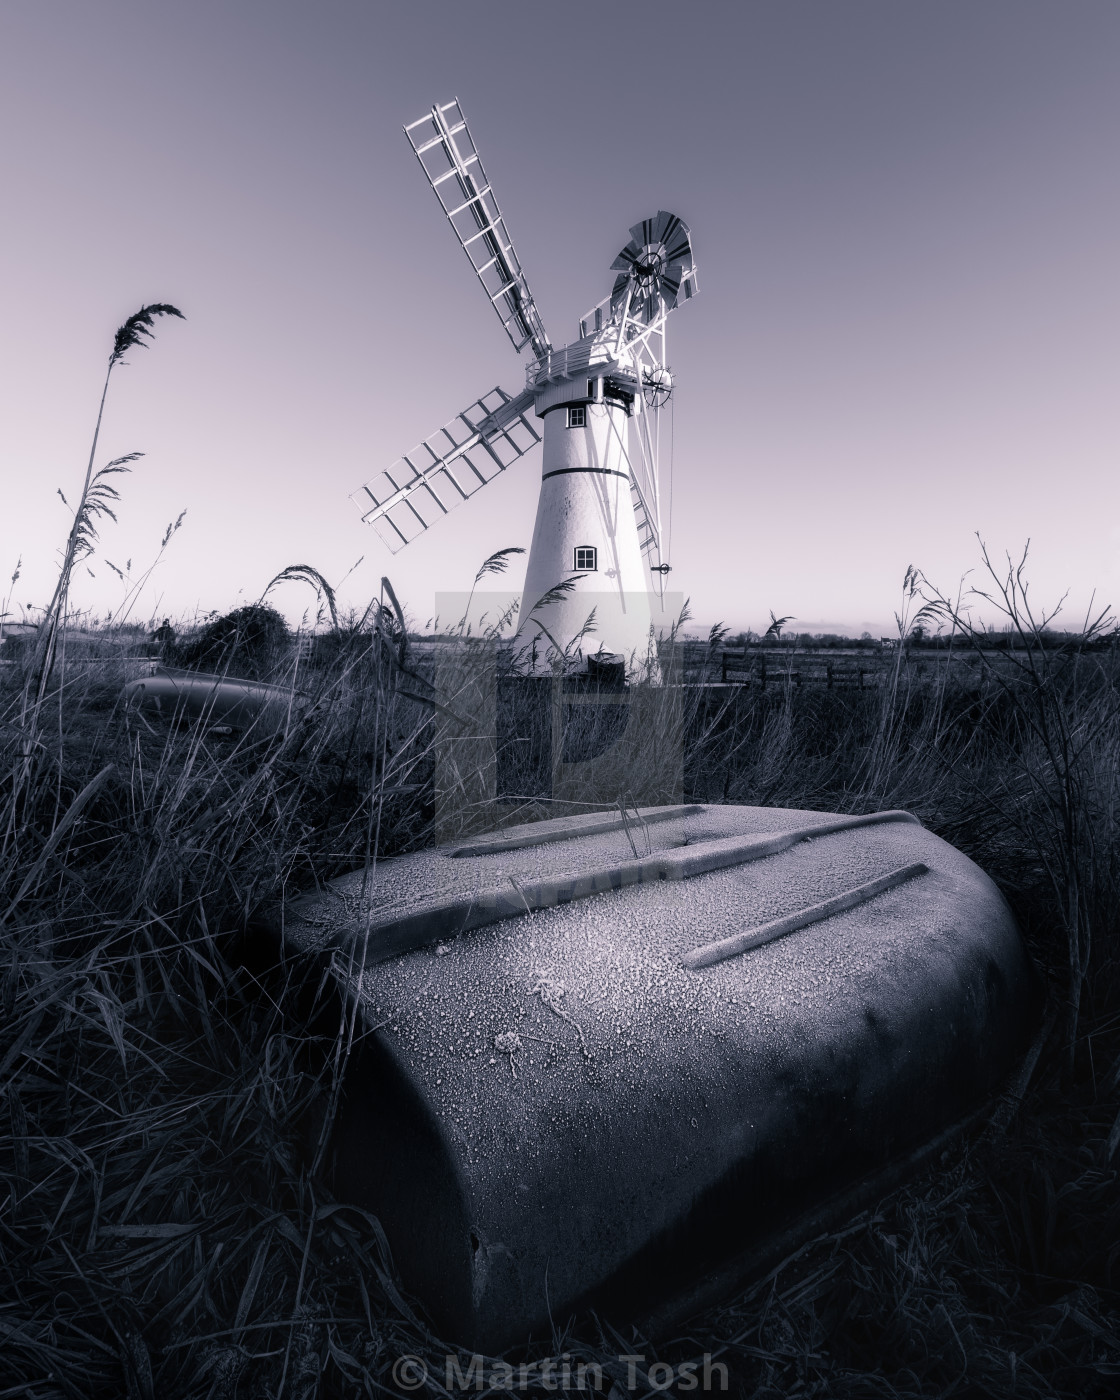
[[599, 1064], [217, 699]]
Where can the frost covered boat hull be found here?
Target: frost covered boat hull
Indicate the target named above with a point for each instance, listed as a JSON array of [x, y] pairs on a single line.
[[602, 1061]]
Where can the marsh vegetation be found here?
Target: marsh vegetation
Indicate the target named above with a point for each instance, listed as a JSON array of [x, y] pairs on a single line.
[[169, 1076]]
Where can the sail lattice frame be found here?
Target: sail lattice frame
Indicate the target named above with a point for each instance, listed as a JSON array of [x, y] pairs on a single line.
[[446, 150], [448, 468]]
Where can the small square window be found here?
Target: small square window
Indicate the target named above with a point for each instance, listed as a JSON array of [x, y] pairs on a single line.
[[587, 557], [577, 416]]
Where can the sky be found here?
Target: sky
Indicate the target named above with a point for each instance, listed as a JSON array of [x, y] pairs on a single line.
[[906, 219]]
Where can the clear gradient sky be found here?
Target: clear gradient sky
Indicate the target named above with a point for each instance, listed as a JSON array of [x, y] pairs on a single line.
[[907, 226]]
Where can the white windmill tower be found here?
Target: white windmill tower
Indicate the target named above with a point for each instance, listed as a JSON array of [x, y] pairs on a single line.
[[598, 532]]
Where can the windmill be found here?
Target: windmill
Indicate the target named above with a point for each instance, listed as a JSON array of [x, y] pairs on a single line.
[[596, 403]]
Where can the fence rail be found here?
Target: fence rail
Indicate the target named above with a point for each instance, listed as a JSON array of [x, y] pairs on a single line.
[[831, 667]]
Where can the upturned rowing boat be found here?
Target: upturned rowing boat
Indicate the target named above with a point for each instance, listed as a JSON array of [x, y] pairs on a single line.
[[605, 1055], [217, 699]]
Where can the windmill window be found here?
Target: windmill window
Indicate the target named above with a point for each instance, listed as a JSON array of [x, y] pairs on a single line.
[[587, 557], [577, 416]]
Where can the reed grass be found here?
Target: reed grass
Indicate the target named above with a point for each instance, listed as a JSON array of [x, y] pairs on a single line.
[[169, 1077]]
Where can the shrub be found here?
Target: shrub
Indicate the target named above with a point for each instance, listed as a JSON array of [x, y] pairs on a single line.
[[252, 641]]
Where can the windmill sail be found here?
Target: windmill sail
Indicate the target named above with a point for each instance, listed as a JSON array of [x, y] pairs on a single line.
[[449, 467], [446, 150]]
